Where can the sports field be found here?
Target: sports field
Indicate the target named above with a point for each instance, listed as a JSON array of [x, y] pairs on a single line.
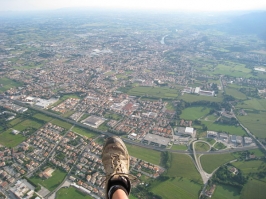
[[177, 188], [84, 132], [255, 122], [52, 182], [224, 191], [156, 92], [145, 154], [213, 161], [254, 189], [10, 140], [70, 193], [193, 113], [234, 130]]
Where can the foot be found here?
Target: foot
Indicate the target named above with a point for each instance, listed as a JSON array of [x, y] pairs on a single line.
[[115, 160]]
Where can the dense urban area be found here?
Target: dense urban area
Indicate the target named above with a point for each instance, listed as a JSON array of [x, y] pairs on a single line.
[[186, 93]]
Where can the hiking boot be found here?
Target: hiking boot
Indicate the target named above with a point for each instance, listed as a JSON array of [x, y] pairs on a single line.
[[115, 160]]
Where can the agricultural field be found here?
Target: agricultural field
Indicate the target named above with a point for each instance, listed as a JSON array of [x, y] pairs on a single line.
[[255, 122], [183, 166], [84, 132], [248, 167], [10, 140], [43, 117], [6, 84], [254, 103], [224, 191], [233, 69], [254, 188], [52, 182], [234, 130], [70, 193], [201, 147], [211, 162], [194, 98], [193, 113], [177, 188], [61, 123], [156, 92], [145, 154], [235, 93]]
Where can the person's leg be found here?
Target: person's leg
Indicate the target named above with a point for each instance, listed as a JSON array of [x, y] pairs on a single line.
[[115, 160]]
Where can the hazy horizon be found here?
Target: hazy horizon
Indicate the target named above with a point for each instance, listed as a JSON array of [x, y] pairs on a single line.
[[189, 5]]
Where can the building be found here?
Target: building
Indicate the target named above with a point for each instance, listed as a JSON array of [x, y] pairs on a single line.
[[248, 140], [93, 121], [132, 136], [22, 189], [156, 140], [212, 134], [184, 131]]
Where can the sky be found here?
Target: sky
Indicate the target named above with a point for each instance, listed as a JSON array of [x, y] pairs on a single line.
[[189, 5]]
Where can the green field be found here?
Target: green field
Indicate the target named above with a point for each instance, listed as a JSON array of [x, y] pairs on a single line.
[[248, 167], [43, 117], [257, 152], [15, 121], [219, 146], [84, 132], [52, 182], [145, 154], [9, 140], [224, 191], [254, 189], [27, 124], [194, 98], [234, 130], [201, 146], [232, 69], [6, 84], [193, 113], [211, 162], [255, 122], [235, 93], [254, 103], [179, 147], [209, 140], [70, 193], [177, 188], [61, 123], [156, 92], [183, 166]]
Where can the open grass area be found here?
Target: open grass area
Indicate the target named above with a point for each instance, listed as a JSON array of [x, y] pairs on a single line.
[[183, 166], [193, 113], [170, 106], [179, 147], [70, 193], [225, 191], [177, 188], [213, 161], [84, 132], [61, 123], [194, 98], [254, 189], [248, 167], [254, 103], [201, 146], [112, 116], [235, 93], [145, 154], [156, 92], [43, 117], [219, 146], [234, 130], [6, 84], [255, 122], [209, 140], [257, 152], [10, 140], [27, 124], [15, 121], [52, 182], [232, 69]]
